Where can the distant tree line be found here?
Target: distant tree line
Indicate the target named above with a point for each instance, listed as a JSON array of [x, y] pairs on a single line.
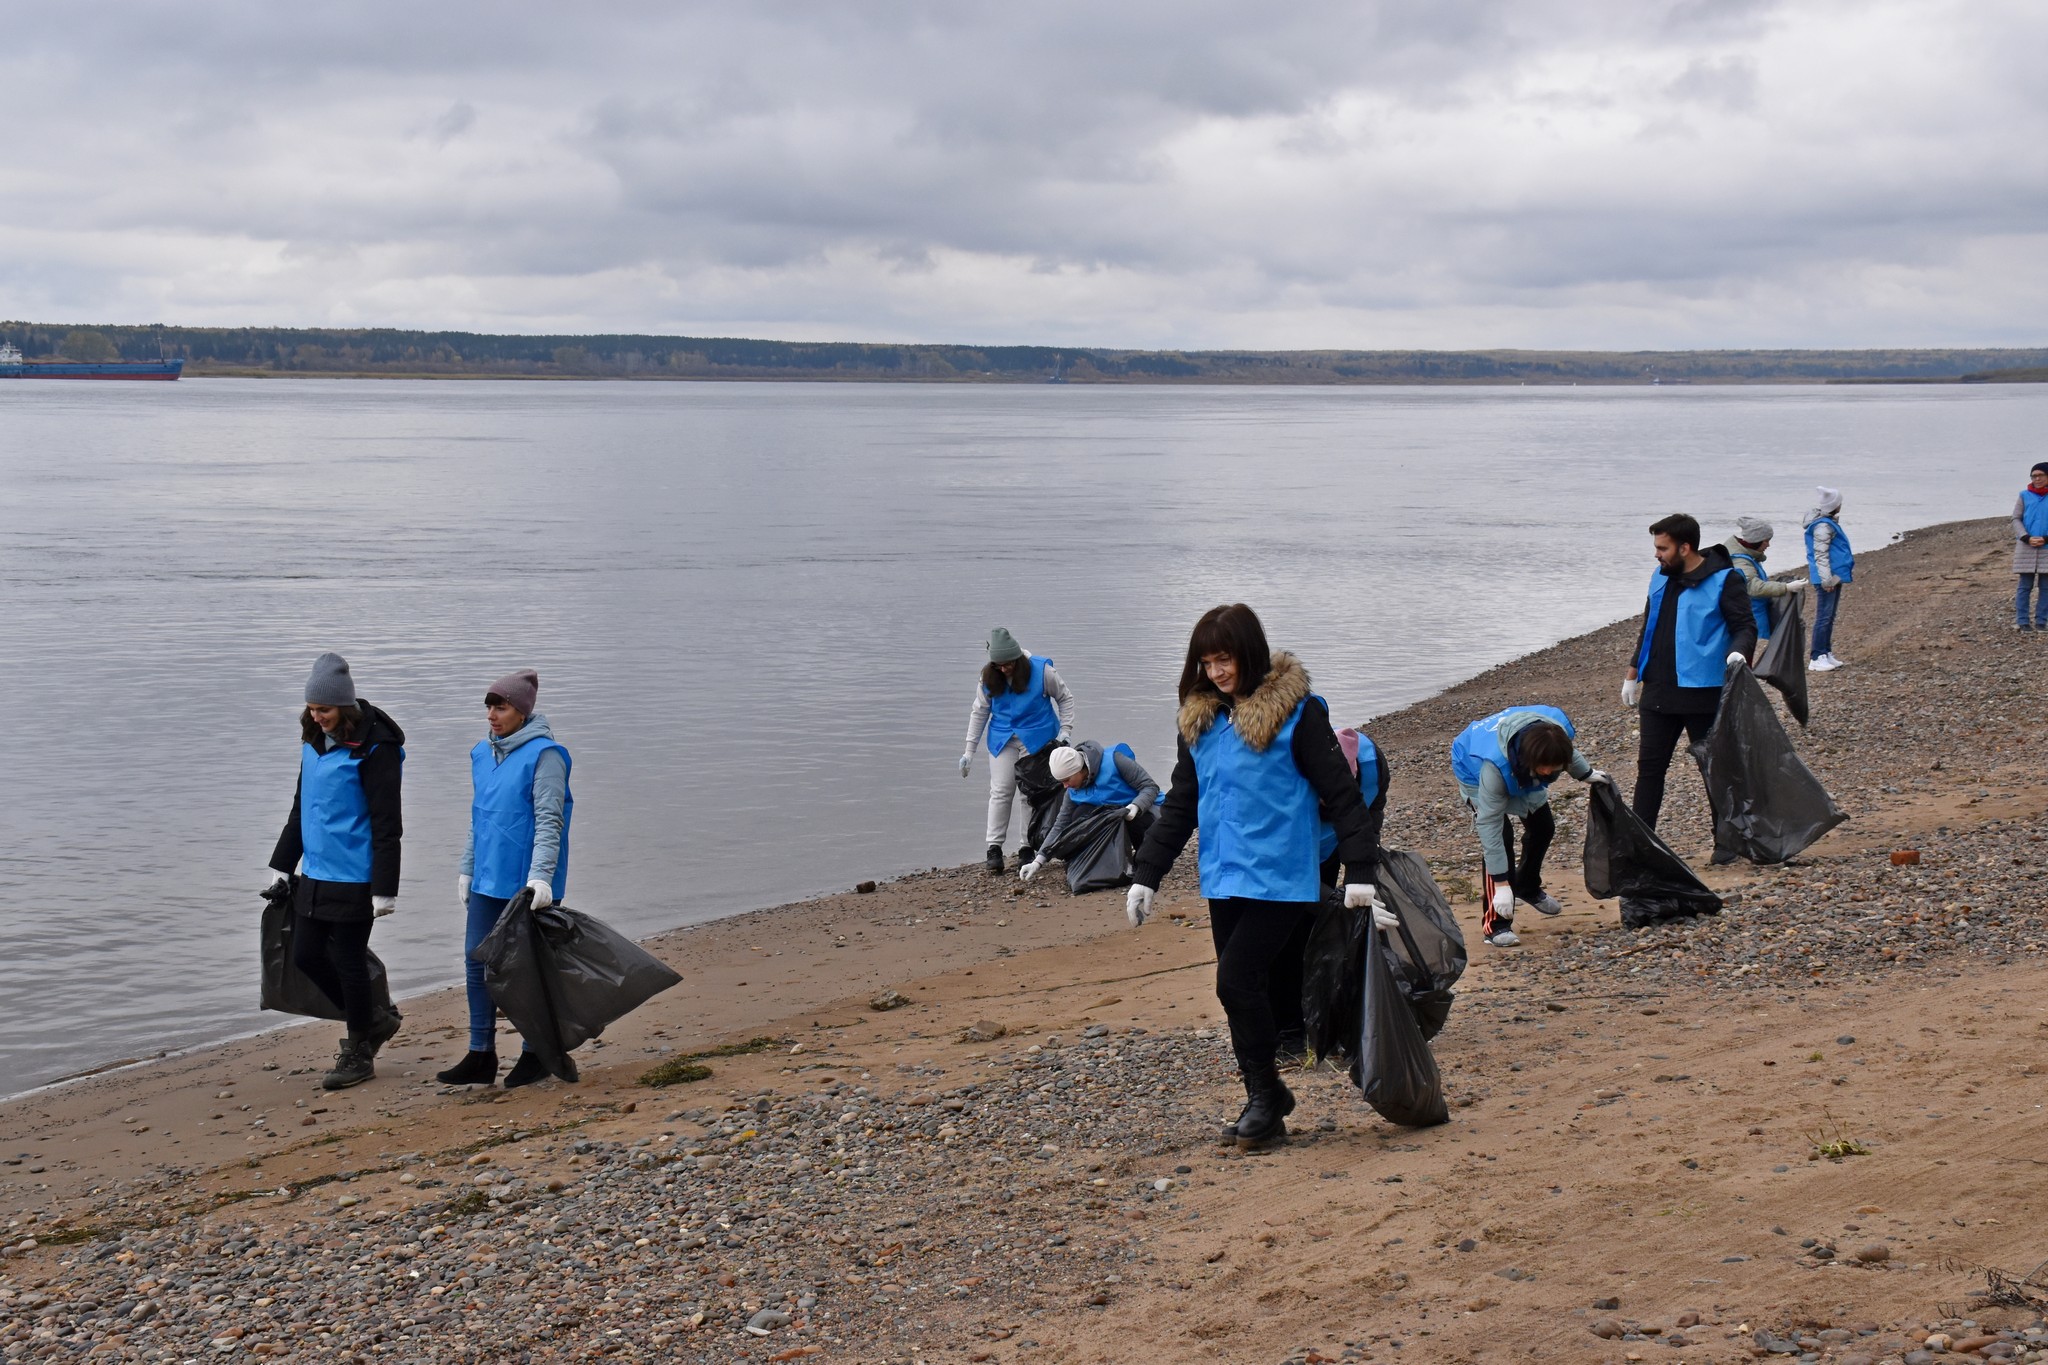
[[397, 352]]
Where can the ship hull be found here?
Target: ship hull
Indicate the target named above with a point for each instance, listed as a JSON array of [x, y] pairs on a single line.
[[111, 369]]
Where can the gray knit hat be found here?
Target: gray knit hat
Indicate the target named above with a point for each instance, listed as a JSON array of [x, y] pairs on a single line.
[[1003, 647], [330, 683], [1755, 530], [521, 690]]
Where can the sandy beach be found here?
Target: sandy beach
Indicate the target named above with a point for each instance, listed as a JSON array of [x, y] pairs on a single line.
[[1019, 1163]]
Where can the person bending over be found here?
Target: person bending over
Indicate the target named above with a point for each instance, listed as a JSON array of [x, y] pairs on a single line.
[[1504, 766], [1094, 779]]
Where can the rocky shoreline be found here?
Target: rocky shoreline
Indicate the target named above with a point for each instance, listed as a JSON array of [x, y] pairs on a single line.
[[1018, 1163]]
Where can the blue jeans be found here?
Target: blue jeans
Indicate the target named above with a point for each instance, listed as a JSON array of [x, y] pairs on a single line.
[[2019, 602], [1825, 605], [483, 1012]]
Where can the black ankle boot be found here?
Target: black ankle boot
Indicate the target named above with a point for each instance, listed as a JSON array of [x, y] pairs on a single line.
[[476, 1068], [1265, 1112], [354, 1064], [994, 861], [525, 1071], [382, 1031]]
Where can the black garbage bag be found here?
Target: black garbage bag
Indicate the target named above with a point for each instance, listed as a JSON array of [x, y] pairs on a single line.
[[1768, 805], [560, 976], [1626, 858], [1425, 957], [288, 990], [1782, 663], [1096, 845], [1041, 792], [1395, 1068], [1333, 979]]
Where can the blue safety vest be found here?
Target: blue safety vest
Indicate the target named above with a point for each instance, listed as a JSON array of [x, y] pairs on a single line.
[[334, 814], [1699, 638], [1480, 743], [1758, 607], [1109, 787], [1027, 714], [1368, 788], [1257, 816], [1841, 559], [501, 817], [2034, 512]]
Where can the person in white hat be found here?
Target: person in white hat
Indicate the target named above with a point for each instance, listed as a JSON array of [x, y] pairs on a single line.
[[1094, 778]]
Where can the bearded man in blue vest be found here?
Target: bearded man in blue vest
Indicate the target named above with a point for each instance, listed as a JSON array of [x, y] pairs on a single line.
[[518, 841], [1696, 626]]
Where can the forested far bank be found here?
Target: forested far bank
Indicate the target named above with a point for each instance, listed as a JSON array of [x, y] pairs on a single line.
[[402, 353]]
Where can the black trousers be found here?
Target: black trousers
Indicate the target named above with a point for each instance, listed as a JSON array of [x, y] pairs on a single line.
[[1525, 876], [336, 955], [1252, 937], [1653, 756]]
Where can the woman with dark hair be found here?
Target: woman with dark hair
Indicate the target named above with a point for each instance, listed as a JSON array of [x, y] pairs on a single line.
[[1504, 766], [1020, 706], [343, 840], [1258, 769]]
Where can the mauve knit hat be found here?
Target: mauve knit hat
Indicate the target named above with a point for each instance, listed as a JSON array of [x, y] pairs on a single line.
[[520, 689], [330, 683]]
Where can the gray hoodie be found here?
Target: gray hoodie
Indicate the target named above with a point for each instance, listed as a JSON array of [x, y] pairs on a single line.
[[550, 793]]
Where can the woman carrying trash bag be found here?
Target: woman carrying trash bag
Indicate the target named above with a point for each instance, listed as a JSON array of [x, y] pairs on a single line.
[[343, 839], [1258, 768], [1020, 705], [518, 840], [1094, 778]]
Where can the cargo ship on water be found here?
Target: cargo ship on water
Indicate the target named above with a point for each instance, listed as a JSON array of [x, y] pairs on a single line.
[[12, 366]]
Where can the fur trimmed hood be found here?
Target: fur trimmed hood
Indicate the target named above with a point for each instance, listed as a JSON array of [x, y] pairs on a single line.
[[1258, 718]]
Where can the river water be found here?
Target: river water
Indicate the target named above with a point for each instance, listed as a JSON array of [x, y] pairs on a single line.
[[757, 612]]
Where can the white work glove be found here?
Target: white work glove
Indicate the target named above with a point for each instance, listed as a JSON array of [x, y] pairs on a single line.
[[1631, 692], [543, 893], [1504, 902], [1358, 895], [1736, 656], [1383, 918], [384, 905], [462, 890], [966, 763], [273, 880], [1597, 775], [1131, 811], [1030, 869], [1138, 904]]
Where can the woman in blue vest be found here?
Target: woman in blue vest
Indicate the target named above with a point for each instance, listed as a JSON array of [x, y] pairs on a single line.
[[1696, 626], [1504, 766], [343, 839], [2030, 548], [1746, 550], [1094, 778], [518, 841], [1020, 706], [1259, 769], [1830, 563]]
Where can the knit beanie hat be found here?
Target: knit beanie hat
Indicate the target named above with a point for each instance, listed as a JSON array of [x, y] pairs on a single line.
[[2041, 468], [1003, 647], [1065, 763], [330, 683], [520, 690], [1830, 499], [1753, 530]]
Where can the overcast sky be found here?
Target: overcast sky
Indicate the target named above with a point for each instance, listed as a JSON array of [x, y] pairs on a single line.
[[1438, 173]]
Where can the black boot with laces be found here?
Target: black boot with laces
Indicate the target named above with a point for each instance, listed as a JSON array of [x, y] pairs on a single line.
[[354, 1064]]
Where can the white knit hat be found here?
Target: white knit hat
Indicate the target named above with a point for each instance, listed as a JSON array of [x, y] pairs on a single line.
[[1065, 763], [1830, 499]]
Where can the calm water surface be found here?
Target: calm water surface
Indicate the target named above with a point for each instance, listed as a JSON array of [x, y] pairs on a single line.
[[756, 611]]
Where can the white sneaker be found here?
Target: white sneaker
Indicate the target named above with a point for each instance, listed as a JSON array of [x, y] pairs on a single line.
[[1836, 659], [1824, 664], [1505, 938]]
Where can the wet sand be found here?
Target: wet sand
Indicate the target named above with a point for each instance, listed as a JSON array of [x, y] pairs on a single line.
[[1019, 1163]]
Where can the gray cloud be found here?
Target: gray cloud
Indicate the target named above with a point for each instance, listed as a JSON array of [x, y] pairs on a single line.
[[1469, 172]]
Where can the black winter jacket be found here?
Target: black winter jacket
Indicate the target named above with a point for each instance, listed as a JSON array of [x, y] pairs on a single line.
[[1661, 692], [378, 760]]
